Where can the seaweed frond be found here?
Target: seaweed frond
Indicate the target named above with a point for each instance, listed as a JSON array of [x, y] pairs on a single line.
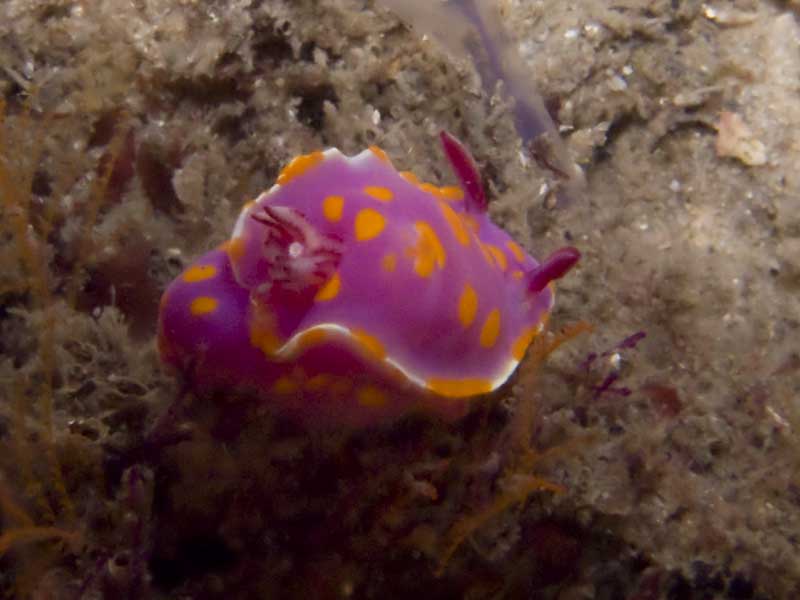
[[97, 195], [518, 481], [16, 178]]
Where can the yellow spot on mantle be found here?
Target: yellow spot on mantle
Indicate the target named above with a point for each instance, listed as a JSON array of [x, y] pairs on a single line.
[[409, 177], [429, 253], [330, 290], [456, 224], [370, 396], [467, 306], [486, 253], [452, 192], [459, 388], [284, 385], [262, 332], [521, 344], [298, 166], [203, 305], [199, 273], [389, 262], [379, 193], [332, 207], [491, 329], [379, 152], [369, 224], [318, 382], [430, 188], [498, 255], [518, 253], [311, 338], [234, 248], [370, 344], [471, 223]]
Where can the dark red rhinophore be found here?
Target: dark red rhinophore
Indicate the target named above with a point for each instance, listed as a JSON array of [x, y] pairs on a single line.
[[554, 267]]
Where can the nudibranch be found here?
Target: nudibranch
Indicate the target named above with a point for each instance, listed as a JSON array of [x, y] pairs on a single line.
[[351, 294]]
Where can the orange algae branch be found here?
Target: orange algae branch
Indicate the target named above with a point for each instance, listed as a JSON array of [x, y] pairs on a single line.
[[540, 349], [543, 347], [25, 531], [37, 514], [15, 186], [10, 510], [27, 535], [519, 491], [92, 210], [519, 484]]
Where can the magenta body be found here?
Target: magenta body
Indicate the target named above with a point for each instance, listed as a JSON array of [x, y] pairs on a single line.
[[350, 294]]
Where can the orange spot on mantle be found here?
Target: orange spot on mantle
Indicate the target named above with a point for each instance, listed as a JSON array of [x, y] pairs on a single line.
[[491, 329], [428, 253], [332, 207], [203, 305], [298, 166], [383, 194], [379, 152], [199, 273], [369, 224], [330, 290], [467, 306], [459, 388]]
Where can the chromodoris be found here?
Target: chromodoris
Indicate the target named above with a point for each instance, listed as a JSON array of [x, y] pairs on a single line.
[[351, 294]]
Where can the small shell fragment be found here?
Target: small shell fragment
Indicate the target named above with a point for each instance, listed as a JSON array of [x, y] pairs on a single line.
[[736, 140], [729, 17]]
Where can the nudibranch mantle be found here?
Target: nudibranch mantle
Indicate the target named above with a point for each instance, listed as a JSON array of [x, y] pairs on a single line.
[[351, 294]]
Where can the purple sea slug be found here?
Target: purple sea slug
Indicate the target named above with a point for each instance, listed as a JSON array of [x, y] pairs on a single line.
[[351, 294]]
